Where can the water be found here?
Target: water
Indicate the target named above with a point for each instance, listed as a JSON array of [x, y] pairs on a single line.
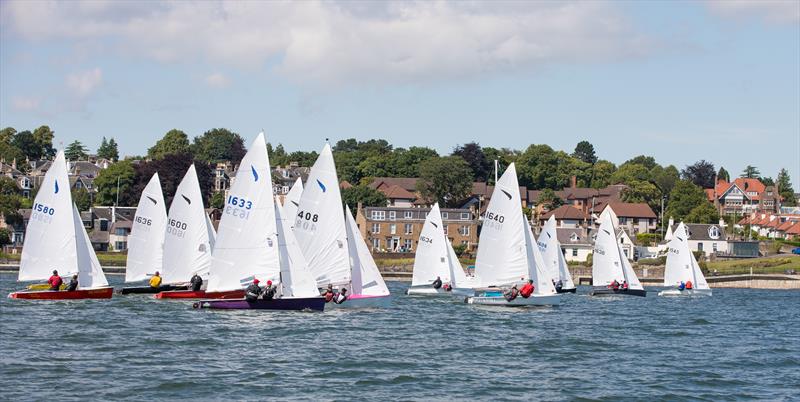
[[738, 344]]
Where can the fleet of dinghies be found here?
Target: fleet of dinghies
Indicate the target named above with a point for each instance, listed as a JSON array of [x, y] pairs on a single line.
[[312, 242]]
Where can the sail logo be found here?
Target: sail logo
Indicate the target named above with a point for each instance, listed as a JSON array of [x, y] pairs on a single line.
[[322, 186], [255, 174], [152, 199], [506, 193], [56, 187], [187, 199]]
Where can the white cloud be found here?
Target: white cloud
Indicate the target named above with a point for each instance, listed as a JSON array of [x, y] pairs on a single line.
[[84, 83], [329, 44], [218, 80], [773, 11], [24, 104]]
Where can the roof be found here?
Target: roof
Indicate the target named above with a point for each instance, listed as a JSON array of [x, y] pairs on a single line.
[[702, 231], [565, 236], [344, 185], [565, 212], [407, 183], [794, 230], [122, 224], [397, 192], [632, 210]]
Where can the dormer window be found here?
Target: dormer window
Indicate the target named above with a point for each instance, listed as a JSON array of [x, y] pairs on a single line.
[[713, 232], [573, 237]]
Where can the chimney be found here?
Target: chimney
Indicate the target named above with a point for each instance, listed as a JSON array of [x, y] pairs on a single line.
[[671, 221], [573, 182], [14, 163]]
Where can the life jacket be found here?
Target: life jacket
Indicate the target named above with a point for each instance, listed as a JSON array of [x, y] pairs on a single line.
[[252, 293], [340, 298], [448, 287], [155, 281], [269, 293], [328, 296], [197, 283], [625, 286], [73, 285], [689, 285], [437, 284], [55, 282], [526, 291]]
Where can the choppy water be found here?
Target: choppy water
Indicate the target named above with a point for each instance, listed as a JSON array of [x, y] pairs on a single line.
[[739, 344]]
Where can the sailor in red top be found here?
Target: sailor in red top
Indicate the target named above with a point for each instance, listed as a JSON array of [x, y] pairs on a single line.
[[527, 289], [689, 284], [55, 281]]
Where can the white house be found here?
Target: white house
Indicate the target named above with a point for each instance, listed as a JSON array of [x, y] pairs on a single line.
[[708, 238]]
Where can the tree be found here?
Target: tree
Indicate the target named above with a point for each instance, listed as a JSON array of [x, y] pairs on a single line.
[[277, 155], [367, 196], [7, 135], [446, 180], [475, 158], [723, 174], [82, 199], [785, 189], [171, 168], [106, 185], [5, 237], [642, 191], [647, 161], [703, 213], [43, 136], [767, 181], [108, 150], [541, 167], [75, 151], [219, 145], [700, 173], [665, 178], [10, 201], [602, 171], [584, 151], [630, 172], [25, 142], [685, 197], [113, 149], [750, 172], [549, 199], [218, 200], [174, 142]]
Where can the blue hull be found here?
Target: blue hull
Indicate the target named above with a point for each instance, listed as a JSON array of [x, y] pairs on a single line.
[[286, 304]]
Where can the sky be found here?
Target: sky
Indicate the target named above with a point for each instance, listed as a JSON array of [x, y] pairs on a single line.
[[681, 81]]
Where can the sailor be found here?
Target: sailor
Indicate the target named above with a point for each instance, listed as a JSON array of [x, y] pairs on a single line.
[[512, 293], [615, 285], [73, 284], [689, 285], [341, 297], [437, 283], [328, 293], [269, 291], [527, 289], [196, 282], [447, 287], [682, 286], [252, 291], [559, 284], [55, 281], [155, 280], [624, 285]]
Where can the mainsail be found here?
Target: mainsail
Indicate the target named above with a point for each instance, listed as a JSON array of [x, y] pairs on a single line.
[[146, 241], [366, 279], [292, 200]]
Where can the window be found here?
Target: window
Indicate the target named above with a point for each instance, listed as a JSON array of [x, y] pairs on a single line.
[[464, 242], [121, 232], [393, 229], [120, 245], [714, 246], [285, 189], [408, 215], [378, 215], [465, 216], [444, 228], [464, 230], [103, 225], [376, 244], [713, 232], [78, 184], [699, 246], [376, 228], [409, 228], [392, 215], [574, 252], [408, 243], [444, 215], [573, 237]]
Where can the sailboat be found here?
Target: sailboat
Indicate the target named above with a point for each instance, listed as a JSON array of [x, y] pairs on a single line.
[[435, 257], [507, 251], [292, 199], [555, 263], [609, 264], [298, 289], [682, 267], [334, 249], [189, 241], [56, 240], [146, 241]]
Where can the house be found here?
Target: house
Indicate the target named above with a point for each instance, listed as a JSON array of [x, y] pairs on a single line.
[[397, 196], [588, 200], [634, 217], [397, 229], [711, 239], [567, 216], [576, 244], [478, 199], [743, 196], [284, 177]]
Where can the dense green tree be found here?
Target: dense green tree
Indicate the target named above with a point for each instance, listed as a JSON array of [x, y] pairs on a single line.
[[108, 149], [277, 155], [82, 199], [406, 162], [701, 173], [218, 200], [472, 153], [171, 168], [785, 189], [584, 151], [750, 172], [174, 142], [446, 180], [25, 142], [303, 158], [642, 191], [76, 151], [43, 136], [10, 153], [703, 213], [541, 167], [665, 178], [630, 172], [367, 196], [106, 185], [219, 145], [767, 181], [10, 200], [549, 199], [7, 135], [723, 174], [5, 237], [602, 171], [647, 161], [685, 197]]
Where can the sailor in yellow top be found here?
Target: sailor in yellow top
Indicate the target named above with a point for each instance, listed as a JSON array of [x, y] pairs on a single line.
[[155, 281]]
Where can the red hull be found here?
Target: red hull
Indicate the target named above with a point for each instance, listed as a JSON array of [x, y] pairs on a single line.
[[200, 294], [100, 293]]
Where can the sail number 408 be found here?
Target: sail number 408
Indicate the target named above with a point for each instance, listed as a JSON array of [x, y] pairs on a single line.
[[308, 216]]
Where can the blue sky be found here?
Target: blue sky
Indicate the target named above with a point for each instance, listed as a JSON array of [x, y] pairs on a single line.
[[681, 81]]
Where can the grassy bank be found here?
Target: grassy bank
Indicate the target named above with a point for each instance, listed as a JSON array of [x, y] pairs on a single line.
[[765, 265]]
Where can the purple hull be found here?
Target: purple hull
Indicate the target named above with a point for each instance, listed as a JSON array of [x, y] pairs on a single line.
[[287, 304]]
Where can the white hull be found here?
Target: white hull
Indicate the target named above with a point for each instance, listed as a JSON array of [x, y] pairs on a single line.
[[685, 292], [428, 290], [359, 302], [548, 300]]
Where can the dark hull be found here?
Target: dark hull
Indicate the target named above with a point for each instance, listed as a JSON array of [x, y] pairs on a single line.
[[612, 292], [287, 304], [562, 290], [100, 293], [200, 294], [148, 290]]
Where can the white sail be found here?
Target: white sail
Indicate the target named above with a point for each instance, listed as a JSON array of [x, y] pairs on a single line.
[[90, 273], [295, 277], [212, 234], [542, 283], [557, 268], [319, 223], [431, 259], [457, 275], [187, 245], [246, 246], [502, 256], [146, 241], [366, 279], [627, 272], [292, 200], [681, 265], [50, 234], [606, 262]]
